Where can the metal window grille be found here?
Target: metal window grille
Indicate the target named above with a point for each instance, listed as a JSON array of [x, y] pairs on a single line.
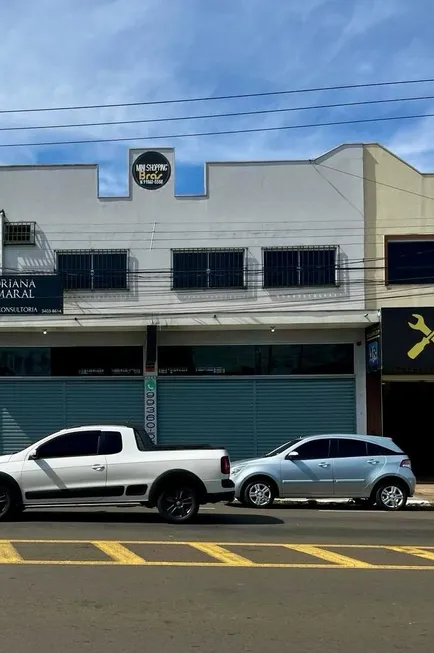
[[19, 233], [105, 269], [286, 267], [210, 268]]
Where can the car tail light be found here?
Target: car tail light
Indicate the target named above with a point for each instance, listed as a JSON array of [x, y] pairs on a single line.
[[405, 463], [225, 465]]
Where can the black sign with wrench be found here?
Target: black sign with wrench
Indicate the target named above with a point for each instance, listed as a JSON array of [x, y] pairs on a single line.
[[407, 340]]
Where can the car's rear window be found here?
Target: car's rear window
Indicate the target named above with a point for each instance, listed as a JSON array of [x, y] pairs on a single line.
[[378, 450]]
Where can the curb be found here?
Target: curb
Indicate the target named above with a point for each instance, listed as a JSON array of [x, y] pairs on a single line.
[[414, 501]]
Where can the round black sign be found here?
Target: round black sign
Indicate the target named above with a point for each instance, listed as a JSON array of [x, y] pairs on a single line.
[[151, 170]]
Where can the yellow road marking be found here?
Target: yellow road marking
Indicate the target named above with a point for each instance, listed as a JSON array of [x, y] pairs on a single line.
[[327, 555], [414, 551], [330, 556], [118, 553], [8, 553], [221, 554]]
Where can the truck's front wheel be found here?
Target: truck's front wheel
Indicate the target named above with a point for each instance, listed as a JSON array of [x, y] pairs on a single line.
[[178, 504]]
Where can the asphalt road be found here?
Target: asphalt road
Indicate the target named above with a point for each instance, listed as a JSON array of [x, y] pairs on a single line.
[[348, 580]]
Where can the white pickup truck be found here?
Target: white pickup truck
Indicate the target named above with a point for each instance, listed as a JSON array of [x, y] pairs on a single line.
[[114, 466]]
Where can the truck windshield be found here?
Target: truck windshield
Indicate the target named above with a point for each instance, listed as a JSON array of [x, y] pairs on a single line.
[[143, 441]]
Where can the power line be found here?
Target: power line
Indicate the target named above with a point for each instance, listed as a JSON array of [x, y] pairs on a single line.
[[339, 87], [374, 181], [110, 123], [243, 305], [227, 132]]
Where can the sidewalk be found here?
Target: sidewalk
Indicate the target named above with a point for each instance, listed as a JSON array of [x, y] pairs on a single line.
[[425, 492]]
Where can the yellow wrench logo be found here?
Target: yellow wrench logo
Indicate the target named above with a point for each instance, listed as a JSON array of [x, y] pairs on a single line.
[[420, 325]]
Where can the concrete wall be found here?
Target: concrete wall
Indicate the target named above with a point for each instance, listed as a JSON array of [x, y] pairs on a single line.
[[252, 205], [399, 200]]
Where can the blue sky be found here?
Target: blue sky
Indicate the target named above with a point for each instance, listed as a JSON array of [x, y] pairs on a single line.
[[69, 52]]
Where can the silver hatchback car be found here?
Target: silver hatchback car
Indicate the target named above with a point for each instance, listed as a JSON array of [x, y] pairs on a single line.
[[328, 466]]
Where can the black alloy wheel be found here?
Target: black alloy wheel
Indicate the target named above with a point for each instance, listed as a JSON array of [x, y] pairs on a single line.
[[178, 504]]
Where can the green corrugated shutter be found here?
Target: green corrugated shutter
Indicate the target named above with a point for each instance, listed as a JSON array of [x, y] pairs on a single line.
[[252, 416], [91, 401], [287, 408], [206, 411], [29, 410]]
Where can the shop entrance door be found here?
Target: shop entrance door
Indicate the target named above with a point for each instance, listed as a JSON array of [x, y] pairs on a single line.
[[408, 418]]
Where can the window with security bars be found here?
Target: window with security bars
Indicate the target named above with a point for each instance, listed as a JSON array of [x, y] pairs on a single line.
[[300, 266], [19, 233], [220, 268], [93, 269]]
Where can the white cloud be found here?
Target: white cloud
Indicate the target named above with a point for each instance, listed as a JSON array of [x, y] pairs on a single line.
[[69, 52]]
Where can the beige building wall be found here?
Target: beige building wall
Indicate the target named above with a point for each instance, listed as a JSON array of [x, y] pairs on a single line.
[[399, 200]]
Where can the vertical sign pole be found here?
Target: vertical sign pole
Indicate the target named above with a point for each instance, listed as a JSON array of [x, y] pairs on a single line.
[[151, 406]]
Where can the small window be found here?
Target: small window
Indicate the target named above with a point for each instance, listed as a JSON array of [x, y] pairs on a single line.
[[351, 448], [80, 443], [313, 450], [410, 261], [110, 443], [19, 233], [195, 269], [93, 269], [377, 450], [305, 266]]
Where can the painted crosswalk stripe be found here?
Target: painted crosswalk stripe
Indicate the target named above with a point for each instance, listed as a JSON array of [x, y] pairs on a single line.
[[329, 556], [8, 553], [221, 554], [414, 551], [118, 553]]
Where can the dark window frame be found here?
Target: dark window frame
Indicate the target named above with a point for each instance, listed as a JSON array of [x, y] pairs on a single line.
[[310, 443], [11, 238], [298, 269], [209, 270], [91, 277], [64, 436], [337, 448], [403, 238], [104, 440], [381, 450]]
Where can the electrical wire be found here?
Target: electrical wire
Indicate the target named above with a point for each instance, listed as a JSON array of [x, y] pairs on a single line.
[[237, 96], [236, 114], [227, 132], [241, 305]]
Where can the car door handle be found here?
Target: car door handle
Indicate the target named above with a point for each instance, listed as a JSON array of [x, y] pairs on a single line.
[[98, 468], [324, 465], [373, 462]]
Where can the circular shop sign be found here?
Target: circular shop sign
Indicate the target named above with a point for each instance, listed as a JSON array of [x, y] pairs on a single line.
[[151, 170]]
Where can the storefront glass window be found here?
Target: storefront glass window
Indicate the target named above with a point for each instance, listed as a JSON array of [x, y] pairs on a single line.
[[25, 361], [71, 361], [245, 360]]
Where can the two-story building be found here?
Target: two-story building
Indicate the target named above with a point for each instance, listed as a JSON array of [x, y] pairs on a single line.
[[399, 250], [236, 317]]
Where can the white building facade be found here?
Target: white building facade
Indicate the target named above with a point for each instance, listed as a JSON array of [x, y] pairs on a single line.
[[234, 318]]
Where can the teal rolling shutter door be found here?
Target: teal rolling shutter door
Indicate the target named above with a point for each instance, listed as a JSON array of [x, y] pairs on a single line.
[[29, 410], [250, 417], [93, 401], [207, 411], [287, 408]]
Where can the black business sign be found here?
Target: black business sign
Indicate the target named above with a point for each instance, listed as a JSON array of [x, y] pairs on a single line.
[[373, 349], [151, 170], [407, 340], [31, 295]]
